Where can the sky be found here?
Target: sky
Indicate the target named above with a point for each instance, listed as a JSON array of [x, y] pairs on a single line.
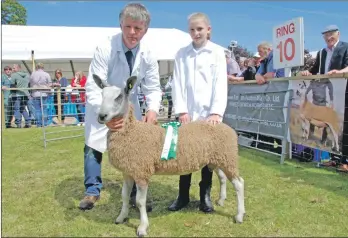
[[247, 22]]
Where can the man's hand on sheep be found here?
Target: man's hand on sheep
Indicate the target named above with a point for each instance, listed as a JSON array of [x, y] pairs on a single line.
[[214, 119], [184, 118], [115, 124], [150, 117]]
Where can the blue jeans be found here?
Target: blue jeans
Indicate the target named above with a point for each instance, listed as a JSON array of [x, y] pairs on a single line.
[[20, 102], [38, 114], [92, 167], [31, 109]]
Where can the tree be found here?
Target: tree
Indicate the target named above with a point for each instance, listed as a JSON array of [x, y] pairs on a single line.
[[308, 63], [240, 51], [13, 13]]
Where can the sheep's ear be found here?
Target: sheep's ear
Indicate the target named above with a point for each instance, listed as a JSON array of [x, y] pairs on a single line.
[[101, 83], [130, 84]]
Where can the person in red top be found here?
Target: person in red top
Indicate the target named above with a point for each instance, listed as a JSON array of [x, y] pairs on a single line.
[[80, 96]]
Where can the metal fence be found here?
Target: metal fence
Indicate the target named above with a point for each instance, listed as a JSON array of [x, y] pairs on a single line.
[[60, 114]]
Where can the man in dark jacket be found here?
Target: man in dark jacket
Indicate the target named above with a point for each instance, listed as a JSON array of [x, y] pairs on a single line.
[[20, 80], [330, 60]]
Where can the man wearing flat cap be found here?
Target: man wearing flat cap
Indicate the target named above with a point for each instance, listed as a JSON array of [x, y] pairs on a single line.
[[331, 60]]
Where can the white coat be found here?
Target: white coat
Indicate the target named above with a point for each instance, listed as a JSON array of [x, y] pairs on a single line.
[[110, 63], [199, 85]]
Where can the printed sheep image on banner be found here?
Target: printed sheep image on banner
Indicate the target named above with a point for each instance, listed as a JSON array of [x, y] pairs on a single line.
[[138, 158]]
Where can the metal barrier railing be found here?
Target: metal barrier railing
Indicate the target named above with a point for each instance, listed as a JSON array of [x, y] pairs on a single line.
[[58, 110]]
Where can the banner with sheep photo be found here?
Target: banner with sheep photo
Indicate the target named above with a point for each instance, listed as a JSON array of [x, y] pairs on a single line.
[[317, 113]]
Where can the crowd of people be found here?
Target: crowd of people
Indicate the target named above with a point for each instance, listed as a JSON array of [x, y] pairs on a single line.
[[35, 97]]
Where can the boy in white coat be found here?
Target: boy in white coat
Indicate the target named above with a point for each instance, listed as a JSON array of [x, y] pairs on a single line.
[[199, 91], [115, 60]]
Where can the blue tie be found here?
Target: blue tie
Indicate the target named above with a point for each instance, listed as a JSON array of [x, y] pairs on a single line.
[[129, 56]]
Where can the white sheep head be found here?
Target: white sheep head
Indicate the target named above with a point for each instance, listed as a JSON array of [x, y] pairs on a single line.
[[115, 101]]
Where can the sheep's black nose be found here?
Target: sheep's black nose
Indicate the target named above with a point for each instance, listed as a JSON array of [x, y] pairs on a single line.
[[102, 117]]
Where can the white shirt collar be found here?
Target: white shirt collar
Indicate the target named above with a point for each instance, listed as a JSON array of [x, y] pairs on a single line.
[[327, 48], [208, 47]]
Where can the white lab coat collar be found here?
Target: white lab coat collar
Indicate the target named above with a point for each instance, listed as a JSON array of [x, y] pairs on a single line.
[[139, 56]]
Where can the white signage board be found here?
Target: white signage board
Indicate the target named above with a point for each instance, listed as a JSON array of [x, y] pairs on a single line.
[[288, 44]]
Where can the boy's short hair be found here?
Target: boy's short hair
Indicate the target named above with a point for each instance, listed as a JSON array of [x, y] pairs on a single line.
[[199, 15]]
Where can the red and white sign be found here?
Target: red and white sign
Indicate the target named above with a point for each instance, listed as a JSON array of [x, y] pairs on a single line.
[[288, 44]]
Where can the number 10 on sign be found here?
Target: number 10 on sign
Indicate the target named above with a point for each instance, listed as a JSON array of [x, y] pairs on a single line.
[[283, 50], [288, 44]]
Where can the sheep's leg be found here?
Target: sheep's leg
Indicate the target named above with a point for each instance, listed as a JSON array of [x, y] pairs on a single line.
[[335, 138], [238, 184], [141, 203], [126, 190], [222, 179]]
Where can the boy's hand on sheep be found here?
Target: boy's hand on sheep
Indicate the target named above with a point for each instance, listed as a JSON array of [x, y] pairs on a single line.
[[214, 119], [184, 118], [150, 117], [115, 123]]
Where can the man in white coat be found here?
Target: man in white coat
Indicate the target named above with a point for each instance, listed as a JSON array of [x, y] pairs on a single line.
[[199, 90], [115, 60]]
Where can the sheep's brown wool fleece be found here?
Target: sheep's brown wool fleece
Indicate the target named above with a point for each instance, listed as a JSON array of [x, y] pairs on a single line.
[[136, 150], [320, 113]]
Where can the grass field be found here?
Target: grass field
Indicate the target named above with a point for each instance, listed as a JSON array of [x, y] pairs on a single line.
[[41, 189]]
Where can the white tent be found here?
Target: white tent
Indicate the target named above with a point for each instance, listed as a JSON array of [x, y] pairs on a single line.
[[71, 48]]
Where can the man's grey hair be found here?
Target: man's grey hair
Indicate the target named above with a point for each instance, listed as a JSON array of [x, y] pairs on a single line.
[[40, 66], [137, 12], [265, 44], [17, 66]]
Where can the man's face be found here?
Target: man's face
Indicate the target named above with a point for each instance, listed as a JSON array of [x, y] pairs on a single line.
[[331, 38], [257, 60], [14, 68], [199, 30], [132, 31], [263, 51], [7, 71]]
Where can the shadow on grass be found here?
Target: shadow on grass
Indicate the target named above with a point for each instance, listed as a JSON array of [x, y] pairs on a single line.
[[69, 192], [318, 177]]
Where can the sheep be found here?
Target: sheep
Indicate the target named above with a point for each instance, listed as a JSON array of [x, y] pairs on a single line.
[[138, 157], [319, 116]]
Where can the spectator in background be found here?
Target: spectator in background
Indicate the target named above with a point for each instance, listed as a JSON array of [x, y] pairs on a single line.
[[40, 82], [79, 96], [242, 64], [266, 70], [257, 61], [232, 68], [250, 71], [5, 85], [168, 92], [331, 60], [58, 82], [20, 98], [264, 73]]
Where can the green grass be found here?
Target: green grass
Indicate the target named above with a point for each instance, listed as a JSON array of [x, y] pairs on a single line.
[[41, 189]]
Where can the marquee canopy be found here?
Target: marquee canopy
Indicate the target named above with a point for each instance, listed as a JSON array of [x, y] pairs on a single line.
[[71, 48], [59, 42]]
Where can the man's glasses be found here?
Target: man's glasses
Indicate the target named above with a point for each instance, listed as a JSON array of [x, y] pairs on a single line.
[[7, 69]]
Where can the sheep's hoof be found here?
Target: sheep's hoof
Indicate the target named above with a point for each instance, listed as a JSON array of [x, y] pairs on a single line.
[[121, 220], [239, 218], [220, 202], [141, 232]]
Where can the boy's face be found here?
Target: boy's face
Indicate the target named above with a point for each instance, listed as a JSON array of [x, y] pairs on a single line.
[[199, 30]]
